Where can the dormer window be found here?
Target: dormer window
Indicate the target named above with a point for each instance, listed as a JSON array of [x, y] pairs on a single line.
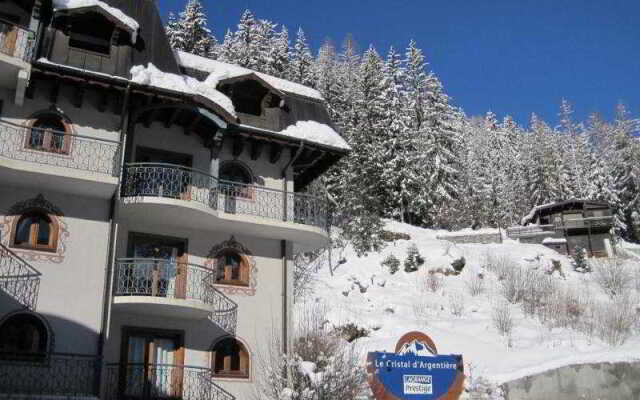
[[247, 96], [91, 32]]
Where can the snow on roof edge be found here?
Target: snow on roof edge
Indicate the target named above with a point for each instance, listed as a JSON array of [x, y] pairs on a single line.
[[152, 76], [114, 12], [228, 71]]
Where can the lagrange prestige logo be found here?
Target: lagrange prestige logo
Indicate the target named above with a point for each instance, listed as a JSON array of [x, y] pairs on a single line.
[[415, 371], [417, 384]]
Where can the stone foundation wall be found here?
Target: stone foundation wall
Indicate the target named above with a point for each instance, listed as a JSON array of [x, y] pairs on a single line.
[[482, 238], [579, 382]]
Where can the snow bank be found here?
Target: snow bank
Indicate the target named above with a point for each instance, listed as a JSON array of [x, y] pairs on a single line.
[[394, 304], [128, 22], [551, 240], [152, 76], [314, 131], [226, 71]]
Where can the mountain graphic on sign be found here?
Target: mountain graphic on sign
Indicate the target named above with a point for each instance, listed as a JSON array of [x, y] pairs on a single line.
[[417, 348]]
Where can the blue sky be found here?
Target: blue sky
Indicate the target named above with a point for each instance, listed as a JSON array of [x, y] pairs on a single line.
[[511, 57]]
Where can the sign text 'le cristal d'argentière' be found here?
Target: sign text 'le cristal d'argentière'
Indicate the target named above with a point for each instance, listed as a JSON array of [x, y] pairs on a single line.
[[415, 371]]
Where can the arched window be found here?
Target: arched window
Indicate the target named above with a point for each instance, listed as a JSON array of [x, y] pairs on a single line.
[[230, 359], [232, 269], [49, 133], [35, 230], [235, 180], [235, 172], [23, 337]]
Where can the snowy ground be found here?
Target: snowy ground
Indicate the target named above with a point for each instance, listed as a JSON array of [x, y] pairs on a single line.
[[363, 292]]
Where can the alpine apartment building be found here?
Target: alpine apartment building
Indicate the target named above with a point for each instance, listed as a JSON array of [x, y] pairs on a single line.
[[150, 202]]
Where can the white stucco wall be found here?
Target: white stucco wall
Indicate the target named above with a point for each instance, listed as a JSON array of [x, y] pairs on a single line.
[[70, 293], [87, 121], [259, 315]]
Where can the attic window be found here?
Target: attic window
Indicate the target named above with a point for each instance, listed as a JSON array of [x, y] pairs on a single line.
[[246, 96], [91, 32]]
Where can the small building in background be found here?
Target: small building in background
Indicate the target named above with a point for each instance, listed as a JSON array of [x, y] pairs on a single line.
[[567, 225]]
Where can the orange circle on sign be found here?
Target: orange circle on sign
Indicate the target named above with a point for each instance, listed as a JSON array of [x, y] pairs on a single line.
[[415, 335]]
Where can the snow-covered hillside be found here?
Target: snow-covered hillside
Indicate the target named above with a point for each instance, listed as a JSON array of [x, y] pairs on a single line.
[[389, 305]]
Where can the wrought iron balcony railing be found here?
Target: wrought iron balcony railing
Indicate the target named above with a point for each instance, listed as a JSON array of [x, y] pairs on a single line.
[[182, 183], [16, 42], [515, 232], [18, 279], [59, 149], [48, 376], [156, 381], [175, 280], [169, 181]]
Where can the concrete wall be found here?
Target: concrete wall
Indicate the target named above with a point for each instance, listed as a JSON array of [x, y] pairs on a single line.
[[619, 381], [483, 238], [70, 293]]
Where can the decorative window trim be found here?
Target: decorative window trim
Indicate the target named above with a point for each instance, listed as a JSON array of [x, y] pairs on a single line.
[[233, 245], [52, 246], [50, 344], [231, 377], [39, 203], [67, 139]]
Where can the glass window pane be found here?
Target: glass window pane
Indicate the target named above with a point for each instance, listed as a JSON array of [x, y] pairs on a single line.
[[37, 138], [44, 231], [57, 141], [22, 230]]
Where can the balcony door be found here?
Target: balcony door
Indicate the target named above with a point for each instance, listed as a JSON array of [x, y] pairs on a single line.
[[167, 173], [152, 364], [162, 262]]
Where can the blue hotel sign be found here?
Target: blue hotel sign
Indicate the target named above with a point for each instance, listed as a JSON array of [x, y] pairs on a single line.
[[415, 371]]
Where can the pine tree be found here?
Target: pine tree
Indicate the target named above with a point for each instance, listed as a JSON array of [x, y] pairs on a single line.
[[399, 177], [190, 32], [361, 194], [280, 54], [416, 83], [301, 70], [441, 132]]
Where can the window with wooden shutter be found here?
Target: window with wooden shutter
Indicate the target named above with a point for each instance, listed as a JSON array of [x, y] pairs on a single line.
[[230, 359], [232, 269], [35, 230]]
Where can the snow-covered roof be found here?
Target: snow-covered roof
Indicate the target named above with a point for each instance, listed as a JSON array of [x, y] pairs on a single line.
[[531, 215], [116, 14], [316, 132], [229, 71], [551, 240], [152, 76]]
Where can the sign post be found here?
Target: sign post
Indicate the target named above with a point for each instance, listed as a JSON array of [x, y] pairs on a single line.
[[415, 371]]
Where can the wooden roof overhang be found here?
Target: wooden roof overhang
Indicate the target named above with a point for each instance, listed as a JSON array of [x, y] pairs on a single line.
[[147, 104], [571, 204], [313, 159], [195, 114], [98, 10]]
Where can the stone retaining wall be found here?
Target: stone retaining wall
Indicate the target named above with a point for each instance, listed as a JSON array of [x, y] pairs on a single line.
[[611, 381], [482, 238]]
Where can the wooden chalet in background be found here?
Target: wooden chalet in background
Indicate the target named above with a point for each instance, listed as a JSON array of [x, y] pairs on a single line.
[[567, 225]]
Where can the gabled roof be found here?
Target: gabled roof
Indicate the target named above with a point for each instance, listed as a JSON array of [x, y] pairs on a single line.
[[111, 13], [558, 204], [230, 71], [152, 45]]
